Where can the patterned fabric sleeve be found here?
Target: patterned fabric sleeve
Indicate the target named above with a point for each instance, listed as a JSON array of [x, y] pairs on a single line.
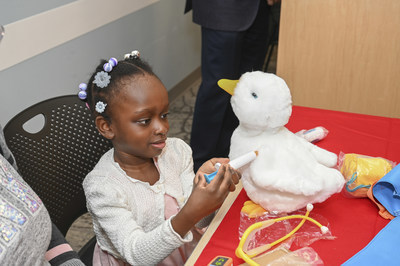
[[5, 151], [59, 251]]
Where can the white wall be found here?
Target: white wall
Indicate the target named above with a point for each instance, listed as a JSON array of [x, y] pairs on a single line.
[[40, 64]]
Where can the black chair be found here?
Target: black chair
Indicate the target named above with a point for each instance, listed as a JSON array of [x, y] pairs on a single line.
[[55, 160]]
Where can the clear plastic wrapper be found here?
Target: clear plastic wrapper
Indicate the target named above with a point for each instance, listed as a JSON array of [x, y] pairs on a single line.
[[313, 135], [303, 256], [361, 171], [305, 236], [283, 256]]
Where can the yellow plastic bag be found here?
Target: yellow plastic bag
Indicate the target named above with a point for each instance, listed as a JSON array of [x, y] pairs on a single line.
[[361, 171]]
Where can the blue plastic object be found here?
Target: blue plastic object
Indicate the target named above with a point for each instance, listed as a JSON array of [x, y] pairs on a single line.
[[210, 177], [387, 191], [383, 248]]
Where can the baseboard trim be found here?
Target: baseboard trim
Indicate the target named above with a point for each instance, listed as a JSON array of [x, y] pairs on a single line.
[[180, 88]]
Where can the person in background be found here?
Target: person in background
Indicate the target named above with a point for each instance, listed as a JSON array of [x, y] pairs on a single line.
[[28, 236], [234, 38], [144, 198]]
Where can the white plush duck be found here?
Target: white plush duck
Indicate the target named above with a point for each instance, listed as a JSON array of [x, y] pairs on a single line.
[[289, 172]]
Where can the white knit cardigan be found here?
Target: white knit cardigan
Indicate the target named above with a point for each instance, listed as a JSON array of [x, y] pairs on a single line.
[[128, 214]]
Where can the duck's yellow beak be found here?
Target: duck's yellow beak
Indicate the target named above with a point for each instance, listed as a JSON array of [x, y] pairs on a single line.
[[228, 85]]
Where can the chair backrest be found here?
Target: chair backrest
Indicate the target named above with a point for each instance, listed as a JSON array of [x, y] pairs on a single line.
[[55, 160]]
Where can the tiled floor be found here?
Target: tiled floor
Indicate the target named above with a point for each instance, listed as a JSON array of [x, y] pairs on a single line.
[[181, 110]]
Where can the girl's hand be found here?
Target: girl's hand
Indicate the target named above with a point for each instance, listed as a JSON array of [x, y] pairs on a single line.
[[209, 167], [206, 198]]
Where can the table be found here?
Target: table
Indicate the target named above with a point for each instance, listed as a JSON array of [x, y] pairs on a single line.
[[353, 221]]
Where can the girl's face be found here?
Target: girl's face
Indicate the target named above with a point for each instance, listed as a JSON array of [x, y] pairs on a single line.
[[139, 117]]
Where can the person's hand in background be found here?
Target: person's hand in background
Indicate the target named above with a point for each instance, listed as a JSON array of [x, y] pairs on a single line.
[[272, 2]]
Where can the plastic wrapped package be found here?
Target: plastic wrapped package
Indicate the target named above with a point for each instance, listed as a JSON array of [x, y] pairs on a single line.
[[313, 135], [301, 257], [282, 256], [306, 235], [361, 171]]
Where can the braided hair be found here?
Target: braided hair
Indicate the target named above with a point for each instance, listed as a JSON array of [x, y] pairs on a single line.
[[130, 67]]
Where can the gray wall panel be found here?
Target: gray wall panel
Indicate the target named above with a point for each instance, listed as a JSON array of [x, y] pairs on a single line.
[[13, 10], [166, 38]]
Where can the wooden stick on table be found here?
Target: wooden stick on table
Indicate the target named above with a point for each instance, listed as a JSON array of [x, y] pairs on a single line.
[[214, 224]]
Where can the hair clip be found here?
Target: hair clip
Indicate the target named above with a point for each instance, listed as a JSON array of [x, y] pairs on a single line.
[[100, 107], [82, 94], [133, 55], [102, 79], [110, 64]]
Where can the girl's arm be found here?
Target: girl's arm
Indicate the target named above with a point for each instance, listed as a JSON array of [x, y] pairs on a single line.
[[119, 234], [205, 198]]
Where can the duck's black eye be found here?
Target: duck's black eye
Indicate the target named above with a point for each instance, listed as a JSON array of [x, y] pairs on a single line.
[[254, 95]]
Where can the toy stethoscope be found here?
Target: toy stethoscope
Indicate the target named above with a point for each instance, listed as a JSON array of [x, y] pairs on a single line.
[[246, 256]]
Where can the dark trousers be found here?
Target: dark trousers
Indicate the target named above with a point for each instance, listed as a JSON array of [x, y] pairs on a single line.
[[225, 54]]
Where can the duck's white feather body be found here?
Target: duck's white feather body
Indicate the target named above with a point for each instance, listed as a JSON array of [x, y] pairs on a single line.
[[289, 172]]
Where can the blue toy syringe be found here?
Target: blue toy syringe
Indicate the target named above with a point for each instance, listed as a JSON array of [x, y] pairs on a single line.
[[236, 163]]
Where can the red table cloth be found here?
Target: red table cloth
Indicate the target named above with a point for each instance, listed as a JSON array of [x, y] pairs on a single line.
[[354, 222]]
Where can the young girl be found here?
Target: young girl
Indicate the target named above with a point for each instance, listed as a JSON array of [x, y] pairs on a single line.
[[143, 195]]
